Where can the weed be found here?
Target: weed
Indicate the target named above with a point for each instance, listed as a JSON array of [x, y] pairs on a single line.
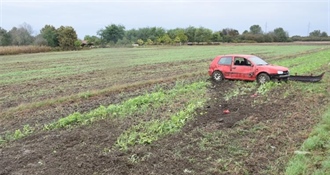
[[17, 134]]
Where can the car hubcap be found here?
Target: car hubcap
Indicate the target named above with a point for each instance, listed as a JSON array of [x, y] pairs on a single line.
[[262, 79], [217, 76]]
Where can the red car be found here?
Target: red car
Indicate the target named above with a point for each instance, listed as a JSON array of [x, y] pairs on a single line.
[[245, 67]]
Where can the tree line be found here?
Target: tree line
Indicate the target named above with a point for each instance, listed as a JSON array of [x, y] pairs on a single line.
[[65, 37]]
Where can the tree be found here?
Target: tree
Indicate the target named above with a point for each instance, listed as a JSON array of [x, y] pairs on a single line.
[[280, 35], [171, 33], [5, 39], [40, 41], [123, 42], [165, 39], [229, 35], [93, 39], [318, 33], [203, 35], [149, 42], [268, 38], [152, 33], [21, 35], [49, 33], [140, 42], [131, 35], [190, 32], [324, 34], [181, 34], [255, 29], [315, 33], [112, 33], [67, 37], [77, 44], [177, 39], [216, 37]]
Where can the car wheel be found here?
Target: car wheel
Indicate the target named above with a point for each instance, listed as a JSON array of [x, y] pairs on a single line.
[[217, 76], [263, 78]]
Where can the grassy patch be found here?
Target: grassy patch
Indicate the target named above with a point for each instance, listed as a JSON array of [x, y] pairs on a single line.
[[306, 64], [314, 155]]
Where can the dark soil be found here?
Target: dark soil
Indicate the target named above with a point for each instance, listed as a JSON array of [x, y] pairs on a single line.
[[234, 146]]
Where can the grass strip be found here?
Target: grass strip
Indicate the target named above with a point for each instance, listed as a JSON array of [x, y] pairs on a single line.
[[314, 156], [307, 63]]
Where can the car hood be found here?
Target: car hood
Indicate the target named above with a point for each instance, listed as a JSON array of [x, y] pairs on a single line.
[[274, 67]]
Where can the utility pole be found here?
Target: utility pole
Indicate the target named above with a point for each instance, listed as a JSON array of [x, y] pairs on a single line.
[[266, 27], [308, 27]]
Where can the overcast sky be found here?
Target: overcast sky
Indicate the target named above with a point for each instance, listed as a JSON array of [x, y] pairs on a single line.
[[297, 17]]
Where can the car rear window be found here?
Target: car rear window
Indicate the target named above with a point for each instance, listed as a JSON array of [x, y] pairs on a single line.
[[225, 61]]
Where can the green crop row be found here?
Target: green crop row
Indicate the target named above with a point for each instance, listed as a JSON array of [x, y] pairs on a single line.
[[306, 64], [19, 133], [252, 88], [147, 132], [138, 106]]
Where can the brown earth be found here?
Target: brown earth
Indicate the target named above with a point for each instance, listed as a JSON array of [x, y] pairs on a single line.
[[27, 112], [256, 137]]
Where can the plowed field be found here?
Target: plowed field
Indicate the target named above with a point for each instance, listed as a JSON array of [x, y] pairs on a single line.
[[154, 111]]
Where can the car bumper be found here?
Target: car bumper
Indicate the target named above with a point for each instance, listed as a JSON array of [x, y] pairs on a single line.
[[279, 76]]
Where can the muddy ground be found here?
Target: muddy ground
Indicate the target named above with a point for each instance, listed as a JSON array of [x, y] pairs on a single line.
[[258, 136]]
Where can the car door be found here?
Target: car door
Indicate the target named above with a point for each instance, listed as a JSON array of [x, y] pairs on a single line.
[[224, 65], [241, 69]]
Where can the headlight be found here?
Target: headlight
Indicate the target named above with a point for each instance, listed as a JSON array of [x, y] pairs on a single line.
[[279, 72]]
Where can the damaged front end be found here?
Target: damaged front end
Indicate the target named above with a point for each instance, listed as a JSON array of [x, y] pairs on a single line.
[[306, 78]]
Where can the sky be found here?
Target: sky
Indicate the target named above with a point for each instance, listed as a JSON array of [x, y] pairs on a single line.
[[297, 17]]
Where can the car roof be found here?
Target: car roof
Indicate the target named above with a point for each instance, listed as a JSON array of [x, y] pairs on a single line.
[[238, 55]]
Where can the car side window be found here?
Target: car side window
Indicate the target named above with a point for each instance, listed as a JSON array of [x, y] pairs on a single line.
[[225, 61], [238, 61]]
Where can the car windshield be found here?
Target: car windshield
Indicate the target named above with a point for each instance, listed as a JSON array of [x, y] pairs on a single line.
[[258, 61]]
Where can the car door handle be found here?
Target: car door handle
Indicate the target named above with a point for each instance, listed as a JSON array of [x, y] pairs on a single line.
[[234, 67]]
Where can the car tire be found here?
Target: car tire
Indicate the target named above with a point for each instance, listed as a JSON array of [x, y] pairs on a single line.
[[263, 78], [217, 76]]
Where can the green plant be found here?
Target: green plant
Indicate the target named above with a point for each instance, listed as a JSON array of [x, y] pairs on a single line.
[[136, 105], [147, 132], [264, 88], [17, 134]]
